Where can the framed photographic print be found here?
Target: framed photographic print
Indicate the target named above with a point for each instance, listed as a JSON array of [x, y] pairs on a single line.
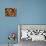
[[10, 12], [32, 32]]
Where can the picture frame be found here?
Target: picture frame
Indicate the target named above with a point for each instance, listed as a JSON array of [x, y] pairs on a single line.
[[10, 12]]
